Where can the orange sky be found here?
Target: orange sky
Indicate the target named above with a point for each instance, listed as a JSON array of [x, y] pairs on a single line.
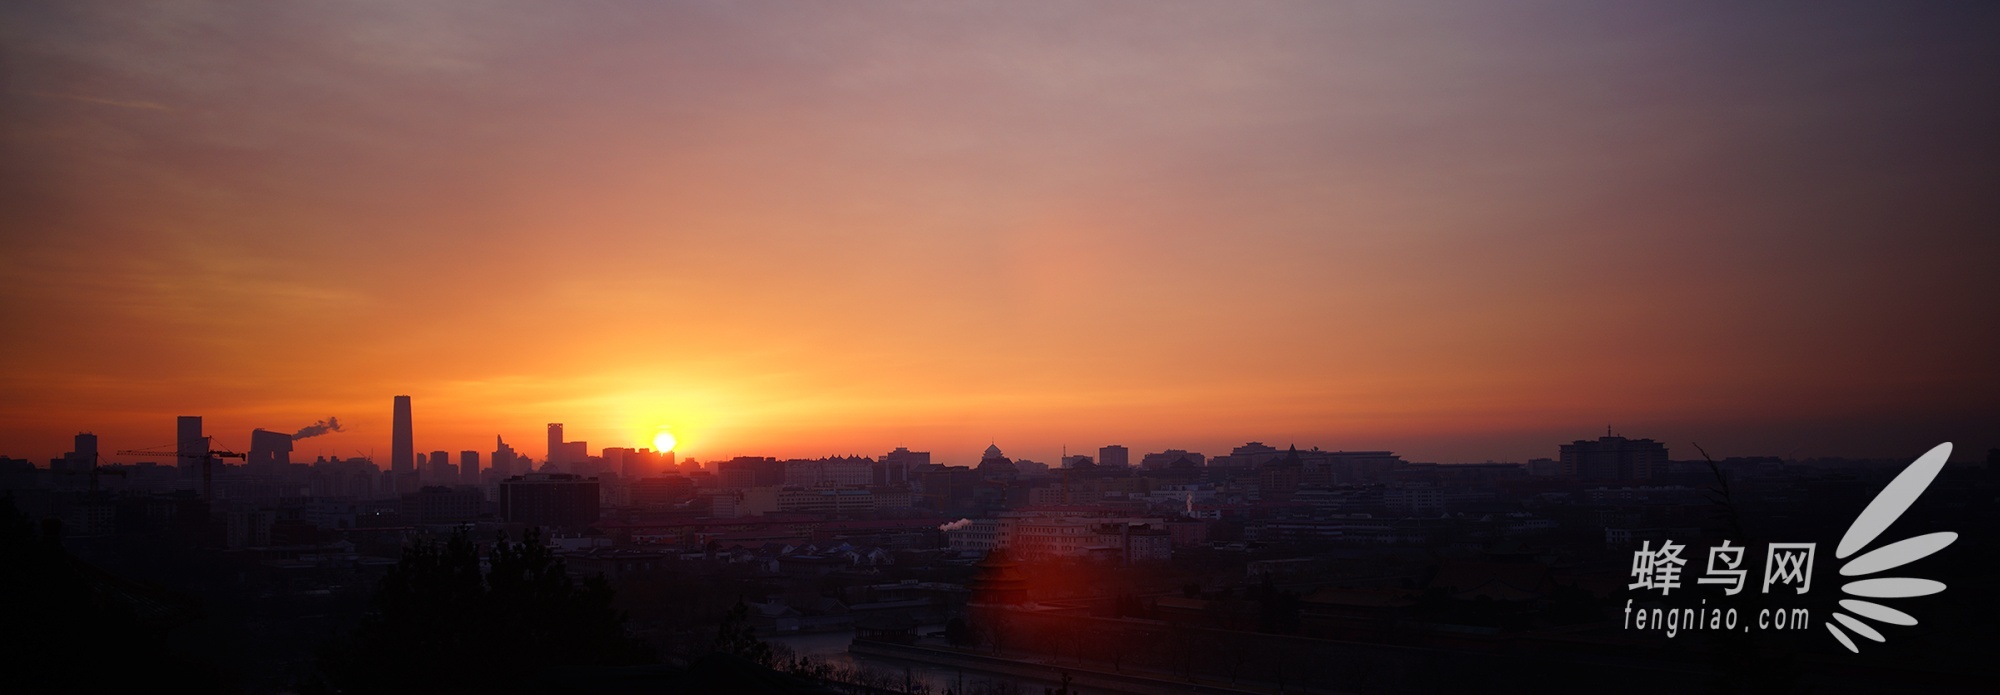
[[1460, 233]]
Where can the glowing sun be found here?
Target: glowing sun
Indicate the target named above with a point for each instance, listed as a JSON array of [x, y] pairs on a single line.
[[664, 442]]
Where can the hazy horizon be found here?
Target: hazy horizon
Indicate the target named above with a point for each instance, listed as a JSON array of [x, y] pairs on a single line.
[[1459, 231]]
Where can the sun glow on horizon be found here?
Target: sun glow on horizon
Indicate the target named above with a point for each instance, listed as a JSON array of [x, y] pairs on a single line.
[[664, 441]]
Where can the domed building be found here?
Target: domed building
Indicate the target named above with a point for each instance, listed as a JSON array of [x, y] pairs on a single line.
[[996, 465]]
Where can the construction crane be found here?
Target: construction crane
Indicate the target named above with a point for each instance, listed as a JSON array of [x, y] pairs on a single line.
[[96, 469], [208, 455]]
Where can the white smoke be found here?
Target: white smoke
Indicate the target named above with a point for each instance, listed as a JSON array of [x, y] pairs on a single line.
[[330, 424], [956, 525]]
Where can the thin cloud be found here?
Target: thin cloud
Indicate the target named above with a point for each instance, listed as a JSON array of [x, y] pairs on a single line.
[[146, 105]]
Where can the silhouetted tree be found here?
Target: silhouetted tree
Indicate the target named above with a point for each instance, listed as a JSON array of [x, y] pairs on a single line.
[[1743, 662], [67, 626], [737, 637], [440, 625]]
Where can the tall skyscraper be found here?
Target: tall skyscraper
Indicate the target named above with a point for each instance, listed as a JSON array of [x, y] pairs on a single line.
[[86, 448], [192, 448], [503, 458], [402, 444], [83, 457], [468, 467], [188, 442], [555, 457], [440, 470]]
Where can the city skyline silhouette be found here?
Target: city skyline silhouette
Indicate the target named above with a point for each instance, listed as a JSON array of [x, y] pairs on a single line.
[[991, 348], [795, 229]]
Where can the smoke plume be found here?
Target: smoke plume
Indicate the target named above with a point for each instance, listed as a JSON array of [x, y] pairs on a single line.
[[956, 525], [331, 424]]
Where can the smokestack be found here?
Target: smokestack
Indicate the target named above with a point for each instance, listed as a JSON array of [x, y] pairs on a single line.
[[331, 424]]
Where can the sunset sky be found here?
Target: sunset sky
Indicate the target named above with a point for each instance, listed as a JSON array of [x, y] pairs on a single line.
[[1461, 231]]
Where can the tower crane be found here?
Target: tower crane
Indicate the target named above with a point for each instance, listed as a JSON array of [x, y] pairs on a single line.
[[207, 453], [96, 469]]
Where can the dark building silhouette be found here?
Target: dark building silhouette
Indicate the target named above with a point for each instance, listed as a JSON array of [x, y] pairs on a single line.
[[661, 492], [83, 457], [1613, 458], [189, 443], [948, 488], [1250, 455], [402, 442], [994, 464], [633, 464], [1277, 480], [899, 466], [468, 467], [503, 458], [555, 455], [549, 499], [436, 504], [85, 448], [562, 454], [440, 469], [1000, 582], [751, 471], [1161, 460], [269, 448], [1115, 455]]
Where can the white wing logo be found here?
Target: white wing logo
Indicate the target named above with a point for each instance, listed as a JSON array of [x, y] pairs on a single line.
[[1876, 518]]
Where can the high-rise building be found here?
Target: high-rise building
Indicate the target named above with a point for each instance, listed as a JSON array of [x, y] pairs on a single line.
[[402, 443], [503, 458], [83, 457], [86, 448], [439, 470], [189, 443], [750, 471], [549, 499], [555, 457], [632, 464], [192, 447], [468, 467], [1116, 456], [900, 466], [1613, 458], [268, 449]]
